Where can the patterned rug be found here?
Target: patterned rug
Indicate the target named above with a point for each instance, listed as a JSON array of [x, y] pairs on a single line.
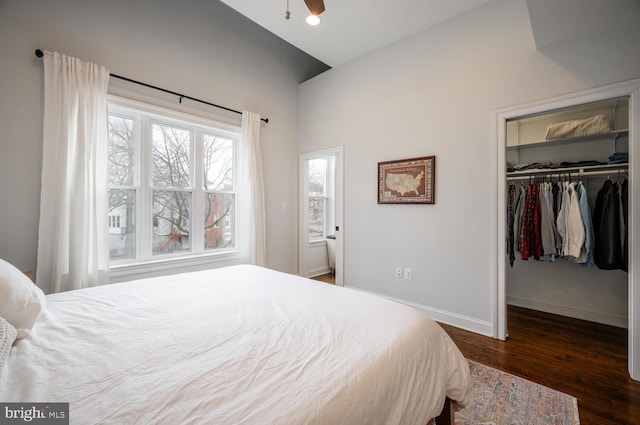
[[499, 398]]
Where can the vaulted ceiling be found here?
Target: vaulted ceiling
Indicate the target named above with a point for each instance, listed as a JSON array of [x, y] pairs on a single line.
[[351, 28]]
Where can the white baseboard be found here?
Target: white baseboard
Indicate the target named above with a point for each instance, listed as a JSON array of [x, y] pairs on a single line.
[[576, 313], [319, 272], [459, 321]]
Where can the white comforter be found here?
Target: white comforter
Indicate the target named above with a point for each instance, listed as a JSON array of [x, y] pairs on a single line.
[[238, 345]]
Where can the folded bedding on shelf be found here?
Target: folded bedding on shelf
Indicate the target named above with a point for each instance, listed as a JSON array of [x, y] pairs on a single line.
[[597, 124], [619, 158]]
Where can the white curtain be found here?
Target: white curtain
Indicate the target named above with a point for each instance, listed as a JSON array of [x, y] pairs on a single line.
[[73, 249], [250, 203]]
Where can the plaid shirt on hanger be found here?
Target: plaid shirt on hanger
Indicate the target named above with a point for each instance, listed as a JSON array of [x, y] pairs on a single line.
[[529, 241]]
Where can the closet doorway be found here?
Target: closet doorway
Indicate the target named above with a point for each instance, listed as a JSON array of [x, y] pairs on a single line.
[[627, 92], [321, 214]]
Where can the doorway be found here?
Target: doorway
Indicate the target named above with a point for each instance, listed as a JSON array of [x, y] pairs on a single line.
[[632, 90], [321, 246]]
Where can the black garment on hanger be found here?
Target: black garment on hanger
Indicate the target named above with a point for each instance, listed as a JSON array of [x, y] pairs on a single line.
[[511, 206], [625, 212], [555, 189], [608, 253]]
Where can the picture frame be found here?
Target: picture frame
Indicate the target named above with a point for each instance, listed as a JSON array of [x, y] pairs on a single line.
[[407, 181]]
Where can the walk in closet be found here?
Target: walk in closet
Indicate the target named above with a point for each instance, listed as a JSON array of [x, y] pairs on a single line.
[[567, 234]]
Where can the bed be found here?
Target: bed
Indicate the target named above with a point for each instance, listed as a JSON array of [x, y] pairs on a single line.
[[235, 345]]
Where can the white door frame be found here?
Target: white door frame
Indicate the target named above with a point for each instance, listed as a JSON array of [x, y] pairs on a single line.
[[303, 254], [631, 89]]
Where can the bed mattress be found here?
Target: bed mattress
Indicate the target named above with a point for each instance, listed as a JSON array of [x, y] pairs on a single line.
[[236, 345]]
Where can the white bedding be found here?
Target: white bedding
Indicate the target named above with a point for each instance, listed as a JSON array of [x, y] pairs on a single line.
[[237, 345]]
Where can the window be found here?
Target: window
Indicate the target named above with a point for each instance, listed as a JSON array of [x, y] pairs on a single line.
[[171, 183], [114, 221], [320, 197]]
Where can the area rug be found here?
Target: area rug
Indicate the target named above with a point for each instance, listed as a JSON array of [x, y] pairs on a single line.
[[499, 398]]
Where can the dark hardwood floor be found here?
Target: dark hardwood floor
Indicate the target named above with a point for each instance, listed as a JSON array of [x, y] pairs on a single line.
[[584, 359], [327, 278]]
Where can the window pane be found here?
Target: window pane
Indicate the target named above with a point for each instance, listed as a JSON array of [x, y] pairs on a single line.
[[121, 150], [316, 217], [171, 157], [218, 163], [171, 221], [122, 229], [219, 220], [317, 176]]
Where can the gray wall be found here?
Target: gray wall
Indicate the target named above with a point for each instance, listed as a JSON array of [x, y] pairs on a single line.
[[198, 47], [437, 93], [434, 93]]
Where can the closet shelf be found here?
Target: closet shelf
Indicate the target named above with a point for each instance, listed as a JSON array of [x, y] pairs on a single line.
[[591, 170], [611, 135]]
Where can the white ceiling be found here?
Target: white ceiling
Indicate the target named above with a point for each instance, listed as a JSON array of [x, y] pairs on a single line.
[[350, 28]]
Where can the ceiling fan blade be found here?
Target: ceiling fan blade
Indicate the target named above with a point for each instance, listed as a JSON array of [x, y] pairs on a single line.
[[316, 7]]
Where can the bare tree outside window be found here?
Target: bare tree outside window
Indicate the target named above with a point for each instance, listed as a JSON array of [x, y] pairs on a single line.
[[218, 185], [122, 193], [171, 168]]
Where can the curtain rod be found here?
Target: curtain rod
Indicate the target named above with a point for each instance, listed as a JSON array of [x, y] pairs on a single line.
[[40, 53]]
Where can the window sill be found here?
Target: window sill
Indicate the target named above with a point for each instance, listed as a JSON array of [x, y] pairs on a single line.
[[122, 272], [317, 242]]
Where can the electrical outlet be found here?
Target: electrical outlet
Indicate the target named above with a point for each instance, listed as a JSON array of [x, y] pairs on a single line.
[[399, 272], [408, 273]]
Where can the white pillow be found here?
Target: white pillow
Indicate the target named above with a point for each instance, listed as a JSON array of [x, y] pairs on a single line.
[[21, 301], [7, 336]]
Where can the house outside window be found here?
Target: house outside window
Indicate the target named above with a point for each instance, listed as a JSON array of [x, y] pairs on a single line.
[[171, 184]]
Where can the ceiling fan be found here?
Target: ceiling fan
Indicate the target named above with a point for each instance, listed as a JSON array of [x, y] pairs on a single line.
[[316, 7]]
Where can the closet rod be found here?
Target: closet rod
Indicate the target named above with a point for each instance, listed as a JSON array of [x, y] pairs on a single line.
[[602, 167], [40, 53], [580, 173]]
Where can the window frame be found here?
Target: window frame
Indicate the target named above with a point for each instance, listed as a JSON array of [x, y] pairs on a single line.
[[147, 115]]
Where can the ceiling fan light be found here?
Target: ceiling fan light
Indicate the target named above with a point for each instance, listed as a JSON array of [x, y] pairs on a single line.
[[313, 19]]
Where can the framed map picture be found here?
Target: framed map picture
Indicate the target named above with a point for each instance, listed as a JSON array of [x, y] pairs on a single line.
[[407, 181]]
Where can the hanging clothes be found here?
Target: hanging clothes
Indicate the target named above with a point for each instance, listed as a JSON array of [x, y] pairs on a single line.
[[525, 225], [586, 256], [625, 215], [608, 228], [547, 227], [534, 231], [535, 234], [510, 220], [561, 221], [517, 219], [621, 218], [529, 242], [574, 227], [558, 189]]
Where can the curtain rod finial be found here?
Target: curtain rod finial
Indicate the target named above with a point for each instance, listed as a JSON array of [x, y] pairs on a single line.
[[39, 53]]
